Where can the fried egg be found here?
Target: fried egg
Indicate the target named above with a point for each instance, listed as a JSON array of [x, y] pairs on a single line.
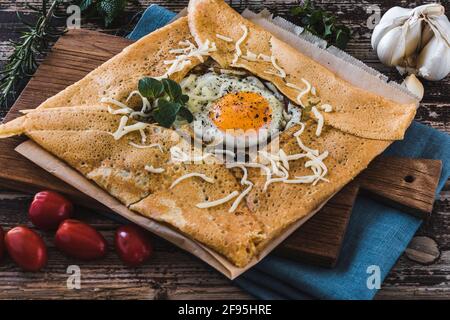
[[240, 111]]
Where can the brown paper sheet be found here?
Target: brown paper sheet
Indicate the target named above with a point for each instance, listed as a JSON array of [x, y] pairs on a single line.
[[340, 63]]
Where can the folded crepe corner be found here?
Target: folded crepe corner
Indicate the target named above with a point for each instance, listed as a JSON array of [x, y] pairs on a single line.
[[74, 126], [12, 128]]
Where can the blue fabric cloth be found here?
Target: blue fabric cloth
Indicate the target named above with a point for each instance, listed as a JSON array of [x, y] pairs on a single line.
[[377, 234]]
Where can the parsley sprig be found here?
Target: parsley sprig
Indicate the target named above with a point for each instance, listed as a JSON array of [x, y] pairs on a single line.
[[167, 99], [110, 10], [322, 24]]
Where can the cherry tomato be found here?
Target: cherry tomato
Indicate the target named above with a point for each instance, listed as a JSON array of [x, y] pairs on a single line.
[[132, 245], [2, 242], [79, 240], [49, 209], [26, 248]]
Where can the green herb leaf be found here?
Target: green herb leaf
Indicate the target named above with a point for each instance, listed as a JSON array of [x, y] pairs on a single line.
[[342, 37], [150, 88], [166, 112], [110, 9], [85, 4], [184, 98], [321, 23], [186, 114], [172, 89]]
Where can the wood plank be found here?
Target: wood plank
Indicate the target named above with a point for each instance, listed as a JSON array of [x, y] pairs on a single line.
[[407, 184]]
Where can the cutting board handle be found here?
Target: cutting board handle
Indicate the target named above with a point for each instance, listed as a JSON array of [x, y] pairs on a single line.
[[404, 183]]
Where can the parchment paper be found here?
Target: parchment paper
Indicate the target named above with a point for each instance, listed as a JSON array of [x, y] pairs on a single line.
[[345, 66]]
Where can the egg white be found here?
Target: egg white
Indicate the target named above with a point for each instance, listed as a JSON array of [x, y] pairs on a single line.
[[204, 90]]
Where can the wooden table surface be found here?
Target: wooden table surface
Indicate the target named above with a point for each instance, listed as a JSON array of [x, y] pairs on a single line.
[[174, 274]]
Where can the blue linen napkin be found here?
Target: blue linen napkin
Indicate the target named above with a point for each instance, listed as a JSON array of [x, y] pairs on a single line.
[[376, 237]]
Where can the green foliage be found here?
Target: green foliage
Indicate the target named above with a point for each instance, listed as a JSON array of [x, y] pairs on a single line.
[[33, 42], [110, 10], [321, 24], [167, 99]]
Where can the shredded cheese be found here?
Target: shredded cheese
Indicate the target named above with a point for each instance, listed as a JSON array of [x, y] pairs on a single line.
[[115, 102], [281, 73], [235, 72], [305, 148], [300, 131], [242, 167], [238, 50], [319, 118], [264, 57], [185, 54], [326, 107], [140, 146], [284, 158], [209, 204], [302, 91], [178, 155], [302, 179], [151, 169], [241, 196], [123, 129], [250, 56], [224, 38], [190, 175]]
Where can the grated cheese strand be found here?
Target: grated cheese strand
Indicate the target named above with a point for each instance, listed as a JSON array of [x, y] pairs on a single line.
[[139, 146], [319, 118], [250, 56], [123, 129], [284, 158], [243, 194], [240, 166], [302, 92], [151, 169], [209, 204], [190, 175], [115, 102], [224, 38], [238, 44], [326, 107], [189, 51], [143, 136], [281, 73], [264, 57], [178, 155]]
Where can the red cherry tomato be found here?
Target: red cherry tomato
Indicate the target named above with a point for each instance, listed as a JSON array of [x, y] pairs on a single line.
[[79, 240], [2, 243], [132, 245], [49, 209], [26, 248]]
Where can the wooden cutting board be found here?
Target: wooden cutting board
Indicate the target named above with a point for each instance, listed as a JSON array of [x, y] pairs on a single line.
[[407, 183]]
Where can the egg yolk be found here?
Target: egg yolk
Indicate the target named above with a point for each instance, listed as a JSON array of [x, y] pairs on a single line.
[[241, 111]]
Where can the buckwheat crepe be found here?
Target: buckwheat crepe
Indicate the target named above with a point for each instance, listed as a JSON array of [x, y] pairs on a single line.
[[77, 128]]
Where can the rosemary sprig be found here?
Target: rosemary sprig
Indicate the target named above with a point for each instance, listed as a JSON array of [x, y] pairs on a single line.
[[322, 24], [22, 62]]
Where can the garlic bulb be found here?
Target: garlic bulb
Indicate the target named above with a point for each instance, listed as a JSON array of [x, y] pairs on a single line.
[[416, 41]]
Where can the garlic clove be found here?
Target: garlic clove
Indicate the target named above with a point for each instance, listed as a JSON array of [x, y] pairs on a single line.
[[440, 25], [412, 38], [427, 34], [433, 62], [414, 85], [394, 17], [399, 45]]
